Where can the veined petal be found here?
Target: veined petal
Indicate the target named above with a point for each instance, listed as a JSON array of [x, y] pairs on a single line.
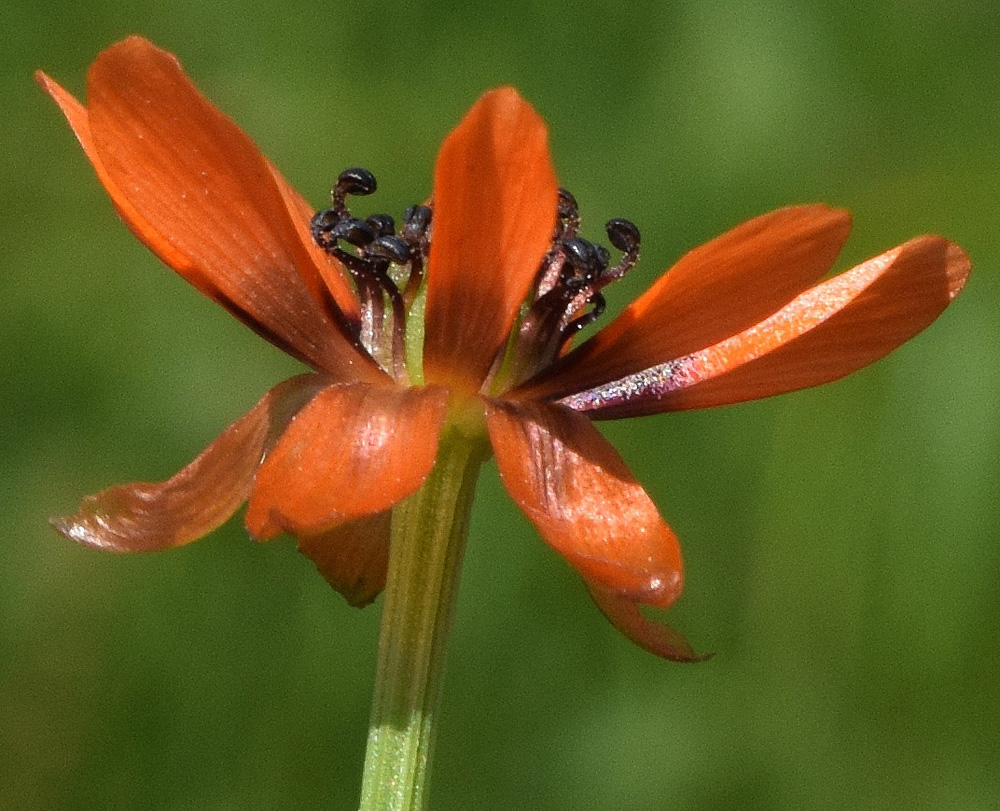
[[355, 450], [719, 289], [827, 332], [584, 502], [200, 195], [145, 517], [494, 214], [353, 556]]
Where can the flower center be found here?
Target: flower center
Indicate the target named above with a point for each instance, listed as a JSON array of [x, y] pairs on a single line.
[[387, 267]]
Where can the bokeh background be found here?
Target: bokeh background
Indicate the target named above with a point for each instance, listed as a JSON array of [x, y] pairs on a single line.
[[841, 543]]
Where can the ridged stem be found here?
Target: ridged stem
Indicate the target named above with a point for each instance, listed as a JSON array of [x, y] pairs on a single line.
[[429, 531]]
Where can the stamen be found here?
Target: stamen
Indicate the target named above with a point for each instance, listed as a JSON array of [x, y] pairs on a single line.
[[382, 224], [359, 182], [416, 234], [568, 213], [577, 324], [624, 235], [390, 247], [353, 231], [369, 248], [567, 295]]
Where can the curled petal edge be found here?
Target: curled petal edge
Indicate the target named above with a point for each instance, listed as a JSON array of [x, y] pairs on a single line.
[[145, 517], [658, 638]]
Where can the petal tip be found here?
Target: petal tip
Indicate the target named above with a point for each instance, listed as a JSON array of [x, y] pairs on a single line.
[[959, 266], [80, 531], [43, 80], [941, 252], [657, 638]]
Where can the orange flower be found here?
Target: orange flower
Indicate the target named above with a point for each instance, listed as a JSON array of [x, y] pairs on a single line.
[[325, 456]]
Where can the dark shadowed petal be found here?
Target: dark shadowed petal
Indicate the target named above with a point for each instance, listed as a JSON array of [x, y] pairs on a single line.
[[719, 289], [355, 450], [494, 213], [197, 191], [656, 637], [827, 332], [353, 557], [145, 517], [584, 502]]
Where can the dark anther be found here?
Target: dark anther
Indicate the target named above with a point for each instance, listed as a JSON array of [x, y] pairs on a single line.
[[603, 258], [417, 218], [382, 224], [322, 225], [623, 235], [353, 231], [568, 214], [390, 247], [566, 294], [567, 205], [356, 181], [580, 254], [351, 181]]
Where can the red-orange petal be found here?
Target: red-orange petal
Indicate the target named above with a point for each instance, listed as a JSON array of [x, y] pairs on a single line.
[[197, 192], [716, 290], [494, 213], [827, 332], [353, 557], [145, 517], [658, 638], [584, 502], [355, 450]]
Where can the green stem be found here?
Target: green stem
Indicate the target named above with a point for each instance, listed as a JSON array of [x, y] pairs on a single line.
[[429, 530]]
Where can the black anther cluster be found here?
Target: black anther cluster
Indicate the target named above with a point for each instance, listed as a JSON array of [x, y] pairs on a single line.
[[375, 240], [584, 267]]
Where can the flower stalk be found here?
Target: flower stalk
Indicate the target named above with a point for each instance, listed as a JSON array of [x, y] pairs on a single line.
[[429, 531]]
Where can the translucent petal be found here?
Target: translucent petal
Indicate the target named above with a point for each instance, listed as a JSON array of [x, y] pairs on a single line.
[[494, 213], [355, 450], [584, 502], [144, 517], [827, 332]]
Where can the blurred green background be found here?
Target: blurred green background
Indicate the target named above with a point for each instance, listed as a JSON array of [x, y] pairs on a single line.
[[841, 543]]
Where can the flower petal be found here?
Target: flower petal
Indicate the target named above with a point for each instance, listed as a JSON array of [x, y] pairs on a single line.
[[355, 450], [494, 214], [827, 332], [144, 517], [198, 193], [719, 289], [656, 637], [584, 502], [353, 557]]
